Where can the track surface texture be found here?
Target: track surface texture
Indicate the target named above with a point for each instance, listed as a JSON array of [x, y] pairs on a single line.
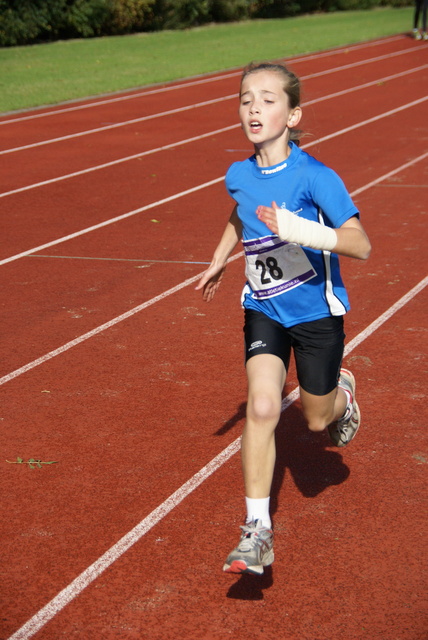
[[114, 368]]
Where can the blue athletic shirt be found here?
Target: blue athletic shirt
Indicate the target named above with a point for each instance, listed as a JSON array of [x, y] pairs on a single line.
[[289, 283]]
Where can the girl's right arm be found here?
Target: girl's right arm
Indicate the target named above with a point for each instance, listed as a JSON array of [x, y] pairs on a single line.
[[210, 280]]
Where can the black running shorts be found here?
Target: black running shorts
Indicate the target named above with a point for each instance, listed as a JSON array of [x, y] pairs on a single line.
[[317, 346]]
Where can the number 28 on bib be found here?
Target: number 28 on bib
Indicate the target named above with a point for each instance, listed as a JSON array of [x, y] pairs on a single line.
[[274, 266]]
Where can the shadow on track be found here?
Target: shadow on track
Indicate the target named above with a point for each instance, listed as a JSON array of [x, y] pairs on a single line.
[[313, 466]]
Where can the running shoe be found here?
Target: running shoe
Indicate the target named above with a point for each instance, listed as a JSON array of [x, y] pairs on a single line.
[[425, 36], [254, 551], [416, 34], [342, 431]]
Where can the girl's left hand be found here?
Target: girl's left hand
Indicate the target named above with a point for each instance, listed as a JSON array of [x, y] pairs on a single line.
[[268, 216]]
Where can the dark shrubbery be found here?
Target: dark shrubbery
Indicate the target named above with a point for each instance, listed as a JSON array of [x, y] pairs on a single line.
[[180, 14], [278, 8], [26, 21], [127, 16], [29, 21], [227, 11]]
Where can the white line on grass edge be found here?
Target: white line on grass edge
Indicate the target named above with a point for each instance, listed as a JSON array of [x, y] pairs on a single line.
[[123, 94], [125, 123], [70, 592]]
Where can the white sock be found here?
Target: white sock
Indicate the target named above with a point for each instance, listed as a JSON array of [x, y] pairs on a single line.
[[258, 509]]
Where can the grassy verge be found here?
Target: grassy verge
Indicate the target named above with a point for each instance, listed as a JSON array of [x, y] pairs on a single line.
[[65, 70]]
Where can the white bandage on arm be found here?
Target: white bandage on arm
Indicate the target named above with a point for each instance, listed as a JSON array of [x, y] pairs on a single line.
[[308, 233]]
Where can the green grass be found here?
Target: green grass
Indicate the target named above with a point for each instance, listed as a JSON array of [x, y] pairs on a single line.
[[65, 70]]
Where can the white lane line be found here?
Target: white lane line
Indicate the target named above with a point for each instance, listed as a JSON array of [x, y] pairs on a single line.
[[64, 597], [172, 145], [112, 220], [126, 123], [389, 174], [206, 184], [104, 327], [118, 259], [191, 83], [165, 294], [117, 125], [112, 163], [366, 85], [360, 63], [385, 316], [353, 127]]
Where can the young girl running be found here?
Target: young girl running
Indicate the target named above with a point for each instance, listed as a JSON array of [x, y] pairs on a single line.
[[294, 216]]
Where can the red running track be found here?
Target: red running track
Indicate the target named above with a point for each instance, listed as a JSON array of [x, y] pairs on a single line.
[[114, 367]]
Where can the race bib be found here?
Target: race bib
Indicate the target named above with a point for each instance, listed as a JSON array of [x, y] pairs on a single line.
[[274, 266]]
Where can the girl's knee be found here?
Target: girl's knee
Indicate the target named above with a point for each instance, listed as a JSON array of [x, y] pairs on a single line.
[[319, 411], [263, 407]]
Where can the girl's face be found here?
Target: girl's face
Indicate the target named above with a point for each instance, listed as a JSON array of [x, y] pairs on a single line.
[[264, 110]]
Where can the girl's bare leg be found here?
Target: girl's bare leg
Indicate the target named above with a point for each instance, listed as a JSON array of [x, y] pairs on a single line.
[[320, 411], [266, 378]]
